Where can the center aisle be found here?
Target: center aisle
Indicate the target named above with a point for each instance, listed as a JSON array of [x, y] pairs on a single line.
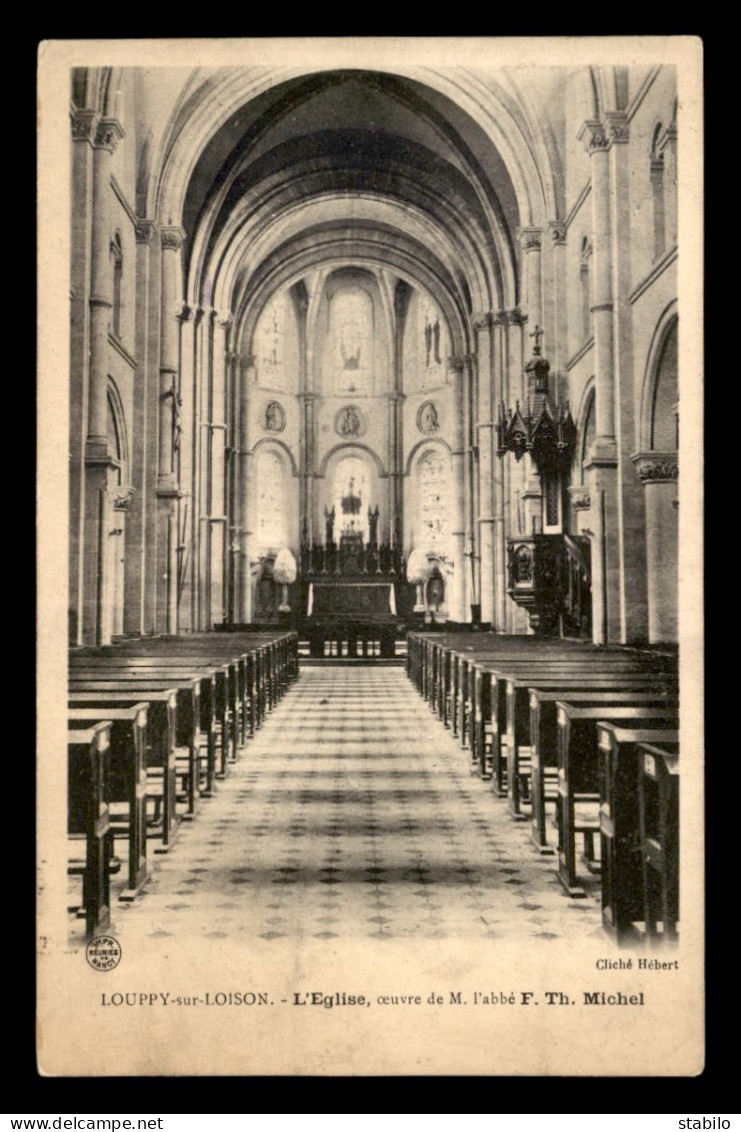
[[353, 814]]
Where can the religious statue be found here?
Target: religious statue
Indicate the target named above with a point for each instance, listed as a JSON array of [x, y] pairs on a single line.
[[348, 422], [274, 417], [329, 526], [429, 420], [373, 526]]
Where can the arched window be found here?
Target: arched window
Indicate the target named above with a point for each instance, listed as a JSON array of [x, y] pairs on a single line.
[[351, 497], [656, 175], [117, 257], [276, 344], [586, 296], [271, 501], [664, 413], [351, 340], [433, 499], [587, 439]]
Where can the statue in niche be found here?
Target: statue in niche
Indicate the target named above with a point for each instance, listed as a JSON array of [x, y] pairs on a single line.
[[329, 526], [429, 420], [348, 423], [432, 341], [373, 526], [274, 417]]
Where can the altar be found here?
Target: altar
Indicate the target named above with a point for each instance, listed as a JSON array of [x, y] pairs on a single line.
[[346, 617]]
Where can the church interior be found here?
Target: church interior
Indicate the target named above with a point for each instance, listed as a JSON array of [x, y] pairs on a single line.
[[373, 498]]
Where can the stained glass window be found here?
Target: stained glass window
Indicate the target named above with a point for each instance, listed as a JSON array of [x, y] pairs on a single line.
[[433, 475], [271, 501]]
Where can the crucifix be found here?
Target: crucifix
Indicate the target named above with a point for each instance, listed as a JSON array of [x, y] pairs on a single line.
[[537, 334]]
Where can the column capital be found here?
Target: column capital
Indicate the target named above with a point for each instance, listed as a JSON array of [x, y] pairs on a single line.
[[484, 320], [616, 126], [122, 497], [513, 317], [558, 231], [580, 497], [396, 398], [656, 467], [531, 239], [108, 133], [83, 124], [223, 319], [144, 231], [187, 313], [172, 237], [592, 136]]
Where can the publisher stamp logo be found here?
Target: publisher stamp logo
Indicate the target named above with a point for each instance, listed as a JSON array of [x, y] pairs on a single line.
[[103, 953]]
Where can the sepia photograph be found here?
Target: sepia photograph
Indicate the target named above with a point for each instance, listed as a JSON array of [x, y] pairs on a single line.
[[370, 557]]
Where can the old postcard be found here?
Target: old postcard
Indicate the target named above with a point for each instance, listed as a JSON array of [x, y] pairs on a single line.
[[370, 557]]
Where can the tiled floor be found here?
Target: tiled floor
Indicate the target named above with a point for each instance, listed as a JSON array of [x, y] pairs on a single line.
[[353, 813]]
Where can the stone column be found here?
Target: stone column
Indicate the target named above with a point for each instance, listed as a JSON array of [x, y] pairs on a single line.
[[187, 620], [515, 474], [218, 444], [485, 428], [500, 394], [141, 456], [84, 124], [245, 589], [633, 597], [234, 461], [602, 467], [306, 427], [98, 461], [658, 472], [557, 349], [168, 492], [458, 606], [204, 363], [308, 402], [396, 471]]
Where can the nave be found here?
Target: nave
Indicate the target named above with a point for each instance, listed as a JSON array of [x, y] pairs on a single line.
[[352, 813]]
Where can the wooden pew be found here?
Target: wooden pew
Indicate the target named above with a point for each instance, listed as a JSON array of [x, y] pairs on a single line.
[[509, 709], [214, 693], [658, 804], [188, 716], [126, 678], [543, 737], [620, 773], [88, 815], [230, 677], [127, 778], [516, 737], [162, 755], [579, 775]]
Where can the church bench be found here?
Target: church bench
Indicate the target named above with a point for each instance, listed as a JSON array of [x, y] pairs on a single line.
[[620, 775], [189, 733], [500, 703], [230, 686], [516, 735], [658, 806], [580, 775], [515, 657], [543, 741], [127, 778], [162, 755], [215, 680], [88, 816]]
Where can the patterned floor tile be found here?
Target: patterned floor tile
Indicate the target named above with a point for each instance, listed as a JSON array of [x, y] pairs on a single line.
[[363, 821]]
